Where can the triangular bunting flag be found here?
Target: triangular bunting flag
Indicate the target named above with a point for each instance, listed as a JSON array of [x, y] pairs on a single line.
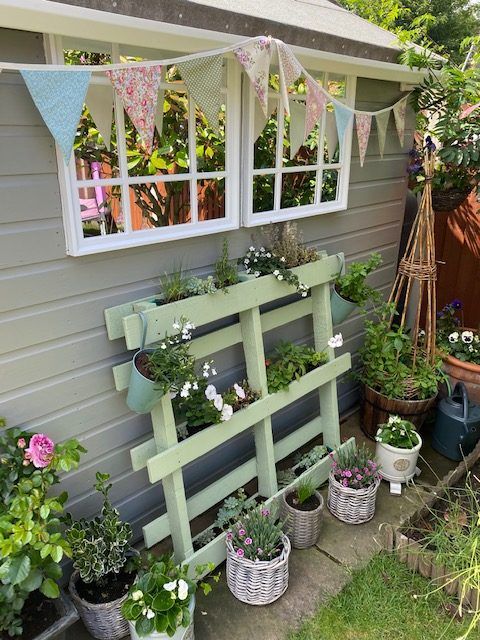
[[364, 125], [203, 77], [138, 89], [290, 70], [331, 135], [343, 117], [99, 101], [316, 101], [59, 96], [468, 109], [382, 125], [159, 110], [298, 113], [259, 118], [400, 111], [255, 59]]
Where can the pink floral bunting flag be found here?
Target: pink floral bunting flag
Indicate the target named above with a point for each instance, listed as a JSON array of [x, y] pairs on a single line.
[[290, 70], [138, 88], [364, 124], [316, 101], [255, 59], [400, 111]]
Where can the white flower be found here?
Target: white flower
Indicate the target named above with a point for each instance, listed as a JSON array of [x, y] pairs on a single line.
[[176, 325], [195, 386], [467, 337], [279, 277], [276, 272], [246, 261], [184, 393], [214, 372], [470, 348], [163, 346], [239, 391], [182, 589], [453, 337], [206, 366], [304, 294], [394, 419], [256, 274], [210, 392], [262, 249], [247, 270], [150, 614], [144, 611], [227, 413], [335, 341], [402, 432], [137, 595], [251, 248], [257, 253], [269, 255], [206, 374], [255, 260], [170, 586], [218, 402], [282, 259]]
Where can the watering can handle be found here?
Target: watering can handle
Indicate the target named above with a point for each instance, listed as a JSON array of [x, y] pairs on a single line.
[[144, 329], [464, 394]]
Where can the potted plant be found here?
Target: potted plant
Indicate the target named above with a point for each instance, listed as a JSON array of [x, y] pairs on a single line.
[[32, 545], [392, 382], [161, 603], [302, 509], [398, 447], [105, 567], [460, 350], [160, 370], [351, 291], [257, 556], [226, 273], [290, 362], [352, 485]]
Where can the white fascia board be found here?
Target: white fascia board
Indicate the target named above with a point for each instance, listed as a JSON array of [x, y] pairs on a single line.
[[56, 18]]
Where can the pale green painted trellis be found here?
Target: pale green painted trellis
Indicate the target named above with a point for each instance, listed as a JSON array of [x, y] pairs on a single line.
[[164, 456]]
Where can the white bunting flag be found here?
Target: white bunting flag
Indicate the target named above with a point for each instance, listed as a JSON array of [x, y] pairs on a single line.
[[364, 125], [290, 70], [255, 59], [382, 125], [259, 118], [99, 101], [298, 113], [331, 134], [203, 77], [400, 112]]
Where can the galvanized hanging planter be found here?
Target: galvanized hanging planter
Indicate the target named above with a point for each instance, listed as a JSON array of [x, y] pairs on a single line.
[[341, 307]]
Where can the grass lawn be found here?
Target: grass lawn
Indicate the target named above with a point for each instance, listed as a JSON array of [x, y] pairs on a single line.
[[379, 604]]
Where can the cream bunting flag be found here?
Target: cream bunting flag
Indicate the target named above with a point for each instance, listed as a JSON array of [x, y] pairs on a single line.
[[297, 126], [255, 59], [203, 77], [99, 101], [138, 89], [259, 118], [331, 134], [290, 70], [316, 101], [382, 125], [364, 125], [400, 111]]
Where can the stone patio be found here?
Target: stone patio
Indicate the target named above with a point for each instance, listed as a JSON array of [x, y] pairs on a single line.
[[316, 573]]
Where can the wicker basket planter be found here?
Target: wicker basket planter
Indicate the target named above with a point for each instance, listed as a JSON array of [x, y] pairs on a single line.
[[449, 199], [103, 621], [258, 582], [353, 506], [182, 633], [302, 527]]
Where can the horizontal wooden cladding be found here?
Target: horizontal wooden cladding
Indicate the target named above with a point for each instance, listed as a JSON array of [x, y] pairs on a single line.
[[378, 168], [28, 243], [34, 152], [16, 106]]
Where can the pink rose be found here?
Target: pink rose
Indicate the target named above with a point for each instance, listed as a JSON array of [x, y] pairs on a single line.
[[21, 444], [40, 451]]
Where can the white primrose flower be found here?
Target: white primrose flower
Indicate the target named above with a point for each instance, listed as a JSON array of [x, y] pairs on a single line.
[[262, 249], [150, 614], [257, 254], [239, 391], [467, 337], [246, 261], [218, 402], [453, 337], [471, 348], [335, 341], [227, 413], [206, 373], [163, 345], [182, 589], [279, 277], [170, 586], [137, 595], [247, 270], [184, 393], [394, 419], [206, 366], [211, 392]]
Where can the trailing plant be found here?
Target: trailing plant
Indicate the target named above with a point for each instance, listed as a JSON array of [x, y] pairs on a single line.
[[304, 490], [398, 433], [355, 467], [285, 240], [100, 547], [310, 458], [352, 286], [262, 262], [32, 545], [159, 600], [290, 362], [256, 534], [226, 273], [452, 339]]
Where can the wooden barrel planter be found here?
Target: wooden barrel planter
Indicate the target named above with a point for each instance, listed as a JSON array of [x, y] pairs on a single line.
[[376, 408]]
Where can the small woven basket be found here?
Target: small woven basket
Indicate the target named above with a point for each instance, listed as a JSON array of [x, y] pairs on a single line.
[[353, 506], [258, 582], [449, 199], [302, 527], [103, 621]]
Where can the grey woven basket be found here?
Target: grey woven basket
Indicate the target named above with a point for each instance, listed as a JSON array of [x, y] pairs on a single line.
[[302, 527], [258, 582], [103, 621], [353, 506]]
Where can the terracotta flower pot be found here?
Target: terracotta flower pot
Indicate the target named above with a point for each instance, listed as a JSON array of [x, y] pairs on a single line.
[[466, 372]]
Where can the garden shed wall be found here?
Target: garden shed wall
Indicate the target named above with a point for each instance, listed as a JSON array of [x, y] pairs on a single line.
[[56, 361]]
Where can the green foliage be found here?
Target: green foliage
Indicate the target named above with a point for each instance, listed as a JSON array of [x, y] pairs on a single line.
[[256, 534], [286, 241], [31, 543], [285, 477], [226, 273], [159, 600], [290, 362], [311, 457], [304, 490], [398, 433], [231, 509], [354, 467], [199, 410], [352, 286], [174, 285], [100, 546], [262, 262], [200, 286]]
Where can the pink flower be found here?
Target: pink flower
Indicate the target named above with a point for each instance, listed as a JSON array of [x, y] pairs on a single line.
[[40, 451], [229, 535], [359, 476], [248, 541], [347, 473], [345, 482], [240, 553], [21, 444], [241, 532], [265, 512]]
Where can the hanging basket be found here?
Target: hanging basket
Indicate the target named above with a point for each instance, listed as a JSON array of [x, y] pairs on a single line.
[[143, 393], [449, 199], [353, 506], [258, 582], [302, 527]]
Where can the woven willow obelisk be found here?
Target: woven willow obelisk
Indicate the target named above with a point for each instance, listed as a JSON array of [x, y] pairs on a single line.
[[415, 283]]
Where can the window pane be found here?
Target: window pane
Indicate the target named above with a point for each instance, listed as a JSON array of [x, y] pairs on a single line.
[[307, 154], [100, 211], [211, 198], [263, 193], [170, 152], [298, 189], [265, 146], [159, 204], [329, 185], [210, 148], [336, 85]]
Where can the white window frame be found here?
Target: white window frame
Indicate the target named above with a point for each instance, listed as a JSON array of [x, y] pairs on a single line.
[[251, 219], [78, 245]]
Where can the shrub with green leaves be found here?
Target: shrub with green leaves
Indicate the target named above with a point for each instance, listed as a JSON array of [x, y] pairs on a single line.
[[353, 287], [31, 542], [290, 362], [100, 546], [226, 272]]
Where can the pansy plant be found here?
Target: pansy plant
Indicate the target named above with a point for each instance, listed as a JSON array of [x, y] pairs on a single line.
[[463, 344]]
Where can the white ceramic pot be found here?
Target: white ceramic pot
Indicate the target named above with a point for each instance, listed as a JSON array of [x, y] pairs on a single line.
[[182, 633], [397, 465]]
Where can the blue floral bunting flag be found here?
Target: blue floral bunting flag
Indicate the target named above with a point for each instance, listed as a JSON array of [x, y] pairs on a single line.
[[344, 117]]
